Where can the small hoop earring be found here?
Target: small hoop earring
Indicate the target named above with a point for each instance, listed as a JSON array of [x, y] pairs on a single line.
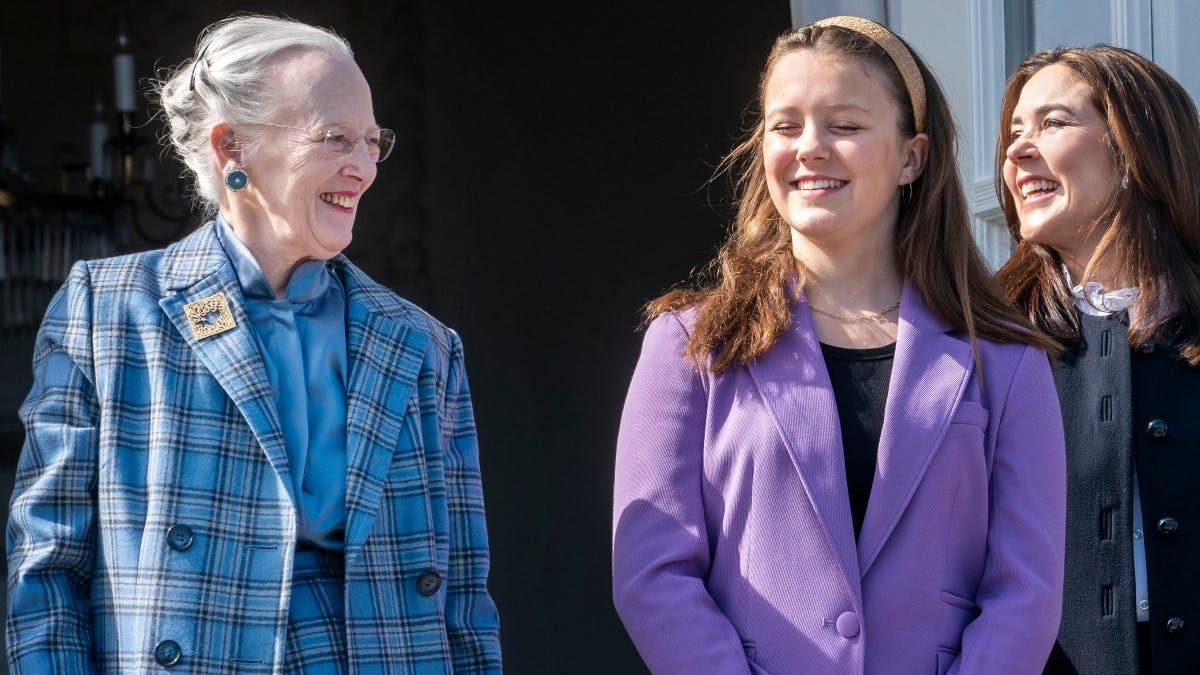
[[236, 179], [906, 191]]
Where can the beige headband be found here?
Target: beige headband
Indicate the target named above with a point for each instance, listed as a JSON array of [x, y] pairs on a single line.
[[896, 51]]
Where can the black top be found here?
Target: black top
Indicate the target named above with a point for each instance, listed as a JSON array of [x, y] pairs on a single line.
[[860, 380]]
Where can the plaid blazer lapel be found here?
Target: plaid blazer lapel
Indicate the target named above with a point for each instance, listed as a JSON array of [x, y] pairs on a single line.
[[385, 357], [196, 269]]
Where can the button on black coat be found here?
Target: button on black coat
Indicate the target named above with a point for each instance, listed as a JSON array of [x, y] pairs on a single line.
[[1168, 526], [1156, 429]]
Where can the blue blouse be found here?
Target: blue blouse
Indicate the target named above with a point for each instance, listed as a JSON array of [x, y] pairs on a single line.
[[303, 343]]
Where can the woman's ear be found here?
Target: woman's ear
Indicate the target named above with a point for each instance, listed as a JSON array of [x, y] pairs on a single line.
[[916, 151], [225, 147]]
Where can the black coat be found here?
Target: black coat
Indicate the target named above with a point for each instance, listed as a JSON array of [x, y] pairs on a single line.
[[1123, 408]]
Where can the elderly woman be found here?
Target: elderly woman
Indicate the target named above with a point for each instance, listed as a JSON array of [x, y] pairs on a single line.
[[242, 454]]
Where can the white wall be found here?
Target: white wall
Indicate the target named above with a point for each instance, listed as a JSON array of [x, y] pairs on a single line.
[[963, 43], [1176, 47], [805, 12], [1071, 22]]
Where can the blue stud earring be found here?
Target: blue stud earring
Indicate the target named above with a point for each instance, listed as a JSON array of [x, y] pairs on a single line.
[[236, 179]]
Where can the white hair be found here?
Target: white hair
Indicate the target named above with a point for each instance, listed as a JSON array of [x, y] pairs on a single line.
[[228, 81]]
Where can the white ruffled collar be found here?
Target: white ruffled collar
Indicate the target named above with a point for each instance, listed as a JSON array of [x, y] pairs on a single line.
[[1091, 298]]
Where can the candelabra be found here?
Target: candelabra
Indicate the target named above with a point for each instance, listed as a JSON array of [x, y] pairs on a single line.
[[123, 164], [128, 205]]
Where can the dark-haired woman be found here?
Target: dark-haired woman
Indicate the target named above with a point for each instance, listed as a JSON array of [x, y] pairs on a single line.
[[843, 454], [1100, 153]]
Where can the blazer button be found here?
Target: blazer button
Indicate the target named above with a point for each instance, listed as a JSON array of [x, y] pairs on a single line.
[[847, 624], [1147, 347], [429, 583], [167, 653], [1168, 525], [179, 537], [1157, 429], [1174, 625]]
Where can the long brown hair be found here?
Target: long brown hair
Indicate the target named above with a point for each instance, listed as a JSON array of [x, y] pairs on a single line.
[[1151, 223], [744, 296]]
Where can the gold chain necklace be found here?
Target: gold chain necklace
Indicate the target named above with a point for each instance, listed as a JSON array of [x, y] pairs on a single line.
[[879, 316]]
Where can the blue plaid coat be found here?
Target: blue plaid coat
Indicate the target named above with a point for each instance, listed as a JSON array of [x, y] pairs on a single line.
[[134, 426]]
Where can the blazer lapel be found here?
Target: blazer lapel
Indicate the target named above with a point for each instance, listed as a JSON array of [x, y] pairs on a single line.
[[929, 376], [385, 357], [795, 386], [195, 269]]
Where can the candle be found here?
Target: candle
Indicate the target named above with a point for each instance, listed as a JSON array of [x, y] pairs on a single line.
[[123, 77], [125, 98], [98, 136]]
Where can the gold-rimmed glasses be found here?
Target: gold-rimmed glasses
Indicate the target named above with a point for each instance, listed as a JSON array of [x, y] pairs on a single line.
[[340, 140]]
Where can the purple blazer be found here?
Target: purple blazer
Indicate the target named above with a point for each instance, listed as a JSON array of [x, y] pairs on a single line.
[[733, 544]]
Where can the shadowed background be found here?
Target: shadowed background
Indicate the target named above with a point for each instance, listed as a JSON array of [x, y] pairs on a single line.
[[549, 179]]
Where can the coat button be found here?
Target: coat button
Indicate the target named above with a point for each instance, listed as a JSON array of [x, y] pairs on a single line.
[[429, 583], [1168, 525], [1174, 625], [179, 537], [847, 624], [1157, 429], [1147, 347], [167, 653]]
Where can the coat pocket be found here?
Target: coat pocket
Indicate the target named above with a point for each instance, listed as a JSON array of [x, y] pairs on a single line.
[[945, 660], [958, 613]]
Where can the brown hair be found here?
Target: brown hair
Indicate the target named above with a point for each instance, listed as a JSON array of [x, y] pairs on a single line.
[[744, 294], [1151, 224]]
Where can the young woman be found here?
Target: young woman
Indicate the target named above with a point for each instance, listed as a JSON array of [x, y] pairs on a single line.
[[843, 453], [1100, 153]]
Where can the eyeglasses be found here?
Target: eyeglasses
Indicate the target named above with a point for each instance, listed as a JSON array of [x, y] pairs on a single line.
[[340, 140]]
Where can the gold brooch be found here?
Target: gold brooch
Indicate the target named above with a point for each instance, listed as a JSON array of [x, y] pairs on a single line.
[[209, 316]]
